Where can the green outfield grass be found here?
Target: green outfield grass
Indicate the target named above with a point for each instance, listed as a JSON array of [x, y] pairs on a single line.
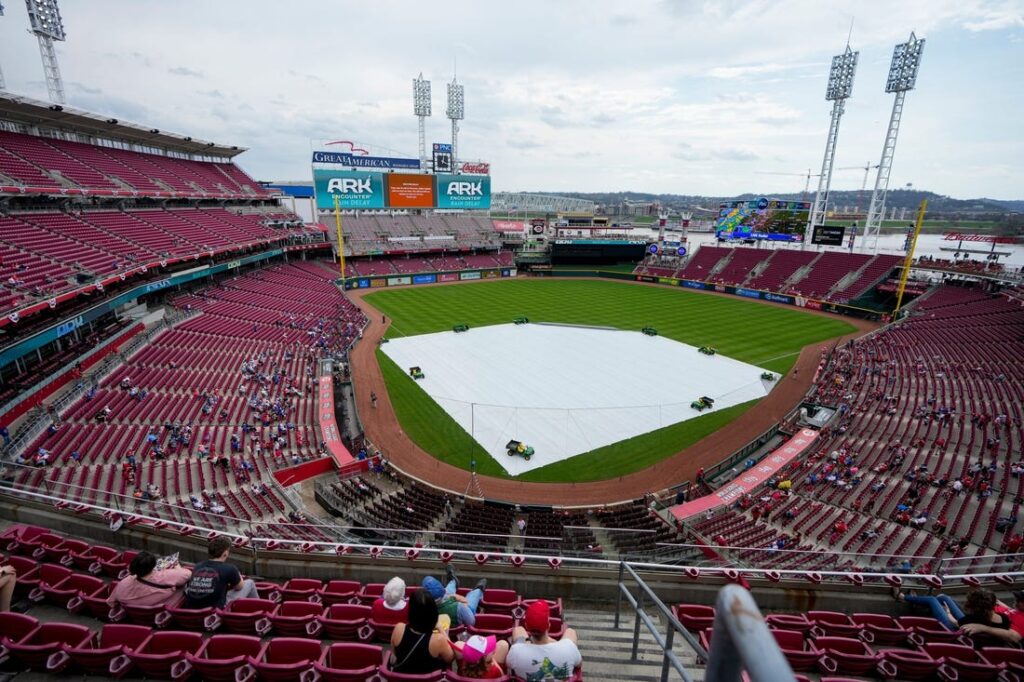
[[763, 335]]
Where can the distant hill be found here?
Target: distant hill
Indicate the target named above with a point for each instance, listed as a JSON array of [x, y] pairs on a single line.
[[939, 206]]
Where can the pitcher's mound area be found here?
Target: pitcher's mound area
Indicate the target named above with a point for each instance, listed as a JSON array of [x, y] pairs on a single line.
[[566, 390]]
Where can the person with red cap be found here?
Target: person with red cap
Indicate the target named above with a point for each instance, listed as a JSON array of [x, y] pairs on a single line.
[[534, 655], [481, 657]]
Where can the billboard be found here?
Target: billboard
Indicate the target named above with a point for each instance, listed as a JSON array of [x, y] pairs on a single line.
[[828, 236], [769, 219], [357, 189], [461, 191], [410, 191], [356, 161]]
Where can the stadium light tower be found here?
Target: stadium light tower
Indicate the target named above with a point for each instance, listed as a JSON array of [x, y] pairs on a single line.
[[44, 18], [906, 60], [840, 86], [456, 112], [421, 108]]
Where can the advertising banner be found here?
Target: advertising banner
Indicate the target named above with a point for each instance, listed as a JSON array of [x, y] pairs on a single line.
[[469, 275], [355, 161], [329, 432], [510, 225], [378, 283], [410, 191], [749, 293], [461, 191], [778, 298], [491, 274], [668, 280], [399, 281], [357, 189], [424, 279], [828, 236], [750, 479], [690, 284], [448, 277]]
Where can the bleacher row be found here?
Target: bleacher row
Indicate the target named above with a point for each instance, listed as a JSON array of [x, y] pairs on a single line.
[[374, 233], [929, 406], [50, 163], [295, 626], [408, 265], [829, 275], [277, 322], [46, 253], [874, 645]]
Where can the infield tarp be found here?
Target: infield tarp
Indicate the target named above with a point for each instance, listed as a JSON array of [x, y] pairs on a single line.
[[567, 390]]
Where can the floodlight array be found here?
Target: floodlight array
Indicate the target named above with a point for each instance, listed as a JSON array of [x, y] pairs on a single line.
[[421, 96], [840, 77], [906, 59], [44, 18], [456, 102]]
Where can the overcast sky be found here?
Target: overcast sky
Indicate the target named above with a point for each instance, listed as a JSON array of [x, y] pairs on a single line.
[[682, 96]]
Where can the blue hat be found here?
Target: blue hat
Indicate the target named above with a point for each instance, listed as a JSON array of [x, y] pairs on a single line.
[[433, 587]]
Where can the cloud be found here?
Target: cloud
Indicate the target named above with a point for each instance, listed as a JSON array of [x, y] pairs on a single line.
[[185, 71], [729, 72], [620, 20], [216, 94], [523, 143], [79, 87]]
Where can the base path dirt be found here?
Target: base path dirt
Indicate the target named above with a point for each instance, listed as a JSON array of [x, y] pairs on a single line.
[[384, 430]]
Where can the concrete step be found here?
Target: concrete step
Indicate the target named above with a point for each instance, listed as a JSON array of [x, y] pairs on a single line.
[[607, 650]]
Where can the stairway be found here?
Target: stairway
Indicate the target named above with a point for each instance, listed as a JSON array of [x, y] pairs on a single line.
[[606, 651]]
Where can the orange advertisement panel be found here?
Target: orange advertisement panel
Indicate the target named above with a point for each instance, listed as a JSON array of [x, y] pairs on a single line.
[[410, 191]]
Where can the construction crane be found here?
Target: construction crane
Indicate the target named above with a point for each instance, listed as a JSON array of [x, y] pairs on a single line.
[[807, 183]]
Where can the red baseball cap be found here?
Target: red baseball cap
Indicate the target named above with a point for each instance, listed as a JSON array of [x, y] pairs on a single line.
[[538, 616]]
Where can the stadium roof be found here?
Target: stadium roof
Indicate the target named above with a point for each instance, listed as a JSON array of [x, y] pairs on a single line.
[[33, 112]]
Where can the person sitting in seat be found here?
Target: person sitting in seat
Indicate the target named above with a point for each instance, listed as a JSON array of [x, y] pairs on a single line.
[[146, 586], [215, 582], [422, 646], [8, 579], [535, 655], [391, 607], [481, 657], [461, 610]]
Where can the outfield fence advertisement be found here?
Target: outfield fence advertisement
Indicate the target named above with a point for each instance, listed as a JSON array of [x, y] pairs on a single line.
[[357, 189], [368, 283]]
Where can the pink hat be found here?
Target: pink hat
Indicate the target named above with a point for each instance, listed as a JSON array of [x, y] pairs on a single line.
[[478, 648]]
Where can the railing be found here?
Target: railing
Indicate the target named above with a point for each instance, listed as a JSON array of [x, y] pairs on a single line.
[[741, 642], [673, 626]]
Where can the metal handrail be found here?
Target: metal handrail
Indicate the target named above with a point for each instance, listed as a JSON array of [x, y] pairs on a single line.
[[742, 642], [666, 643]]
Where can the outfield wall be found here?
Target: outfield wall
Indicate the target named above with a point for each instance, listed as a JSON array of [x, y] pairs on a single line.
[[382, 282]]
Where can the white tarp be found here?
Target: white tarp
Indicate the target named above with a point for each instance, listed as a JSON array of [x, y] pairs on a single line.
[[567, 390]]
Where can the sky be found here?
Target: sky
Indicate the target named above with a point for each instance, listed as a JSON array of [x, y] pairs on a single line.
[[712, 97]]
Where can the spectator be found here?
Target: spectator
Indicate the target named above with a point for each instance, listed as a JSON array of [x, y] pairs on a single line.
[[422, 646], [481, 657], [391, 607], [461, 610], [214, 582], [1016, 614], [147, 586], [981, 618], [533, 651], [8, 579]]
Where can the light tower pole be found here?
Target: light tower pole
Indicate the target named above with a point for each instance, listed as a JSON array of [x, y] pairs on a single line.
[[456, 112], [3, 86], [840, 86], [44, 19], [421, 108], [906, 60]]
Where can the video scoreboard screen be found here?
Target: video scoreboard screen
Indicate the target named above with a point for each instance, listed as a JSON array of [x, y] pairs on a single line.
[[762, 219]]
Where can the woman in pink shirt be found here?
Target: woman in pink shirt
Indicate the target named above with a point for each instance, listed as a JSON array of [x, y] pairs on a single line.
[[149, 587]]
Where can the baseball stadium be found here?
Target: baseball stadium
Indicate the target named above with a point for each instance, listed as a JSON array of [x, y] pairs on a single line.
[[268, 429]]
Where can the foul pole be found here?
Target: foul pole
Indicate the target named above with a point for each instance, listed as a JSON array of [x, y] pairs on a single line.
[[341, 237], [908, 261]]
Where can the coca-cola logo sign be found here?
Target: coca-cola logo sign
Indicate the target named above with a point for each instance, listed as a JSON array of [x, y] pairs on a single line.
[[476, 168]]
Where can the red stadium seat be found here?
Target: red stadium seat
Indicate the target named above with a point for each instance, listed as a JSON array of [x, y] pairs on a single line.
[[156, 655], [282, 659], [801, 654], [95, 656], [219, 658], [499, 601], [296, 619], [694, 617], [390, 676], [845, 655], [349, 662], [33, 650], [346, 622], [300, 589], [247, 616], [959, 662], [880, 628], [339, 591], [498, 624]]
